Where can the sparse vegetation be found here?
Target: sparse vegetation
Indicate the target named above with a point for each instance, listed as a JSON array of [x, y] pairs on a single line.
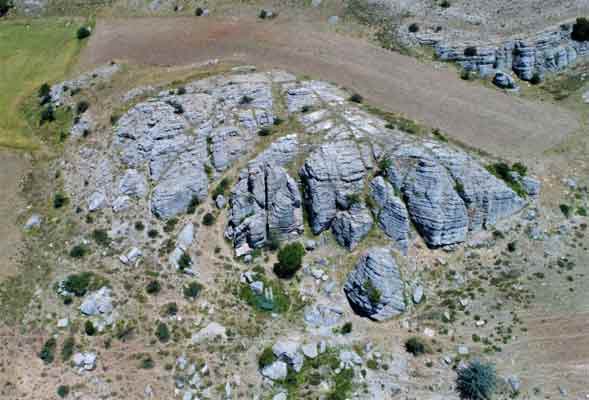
[[194, 203], [222, 187], [80, 284], [101, 237], [79, 251], [566, 210], [47, 353], [290, 259], [477, 381], [184, 262], [192, 290], [67, 349], [89, 328], [506, 173], [372, 292], [153, 287], [59, 200]]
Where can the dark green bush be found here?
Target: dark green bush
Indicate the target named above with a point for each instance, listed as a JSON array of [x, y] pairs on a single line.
[[59, 200], [266, 358], [82, 107], [278, 121], [536, 79], [346, 328], [162, 332], [290, 259], [47, 353], [184, 262], [44, 90], [343, 385], [5, 6], [147, 362], [153, 233], [477, 381], [181, 90], [170, 309], [208, 219], [67, 350], [78, 251], [199, 12], [47, 114], [580, 31], [170, 225], [192, 290], [565, 209], [265, 131], [79, 284], [356, 98], [414, 27], [246, 100], [222, 187], [470, 51], [101, 237], [89, 328], [194, 202], [372, 292], [82, 33], [520, 168], [445, 4], [417, 346], [153, 287], [63, 391]]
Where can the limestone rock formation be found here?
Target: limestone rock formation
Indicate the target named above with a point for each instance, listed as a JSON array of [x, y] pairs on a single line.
[[375, 288], [351, 226], [391, 212]]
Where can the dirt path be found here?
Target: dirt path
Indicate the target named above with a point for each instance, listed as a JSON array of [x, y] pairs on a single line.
[[12, 167], [481, 117]]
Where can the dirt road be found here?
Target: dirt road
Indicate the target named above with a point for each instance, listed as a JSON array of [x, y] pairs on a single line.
[[481, 117]]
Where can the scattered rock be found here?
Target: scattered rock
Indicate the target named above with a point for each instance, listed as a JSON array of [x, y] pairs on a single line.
[[504, 81], [131, 257], [333, 20], [276, 371], [85, 361], [220, 202], [96, 201], [34, 221], [97, 303]]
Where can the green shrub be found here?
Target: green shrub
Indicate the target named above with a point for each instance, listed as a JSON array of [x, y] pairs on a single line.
[[59, 200], [477, 381], [79, 251], [582, 211], [417, 346], [162, 332], [356, 98], [290, 259], [147, 362], [47, 353], [208, 219], [63, 391], [153, 233], [67, 350], [192, 290], [79, 284], [414, 27], [346, 328], [101, 237], [372, 292], [279, 303], [184, 262], [47, 114], [199, 11], [445, 4], [181, 90], [343, 385], [266, 358], [278, 121], [372, 364], [153, 287], [265, 131], [520, 168], [353, 198], [246, 100], [536, 79], [89, 328], [580, 31], [170, 225], [194, 202], [82, 33], [44, 91], [470, 51], [170, 309], [565, 209], [5, 6], [82, 107], [222, 187], [504, 172]]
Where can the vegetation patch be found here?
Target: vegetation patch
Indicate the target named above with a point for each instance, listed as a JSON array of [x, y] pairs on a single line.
[[290, 259], [506, 173], [477, 381], [278, 302], [80, 284]]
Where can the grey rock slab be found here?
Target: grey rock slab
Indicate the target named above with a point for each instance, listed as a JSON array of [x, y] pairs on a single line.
[[97, 303], [392, 215], [276, 371], [375, 288], [34, 221], [96, 201], [351, 226]]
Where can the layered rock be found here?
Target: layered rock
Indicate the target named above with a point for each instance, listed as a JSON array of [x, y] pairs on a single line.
[[375, 288], [351, 226], [331, 175], [391, 212], [266, 201]]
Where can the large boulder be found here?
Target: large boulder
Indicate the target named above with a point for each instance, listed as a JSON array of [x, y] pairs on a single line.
[[375, 288], [391, 212], [351, 226], [97, 303], [332, 174]]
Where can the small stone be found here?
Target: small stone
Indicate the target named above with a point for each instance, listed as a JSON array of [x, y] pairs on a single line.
[[96, 201], [333, 20], [63, 323], [257, 287], [220, 202], [514, 383], [310, 350], [417, 294], [85, 361], [463, 350], [276, 371], [34, 221], [243, 250], [429, 332], [310, 245], [131, 257], [280, 396]]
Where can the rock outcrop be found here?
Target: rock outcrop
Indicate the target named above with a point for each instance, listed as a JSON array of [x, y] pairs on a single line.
[[351, 226], [331, 176], [391, 212], [375, 288]]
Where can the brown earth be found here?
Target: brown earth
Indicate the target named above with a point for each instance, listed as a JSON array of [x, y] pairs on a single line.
[[12, 168], [478, 116]]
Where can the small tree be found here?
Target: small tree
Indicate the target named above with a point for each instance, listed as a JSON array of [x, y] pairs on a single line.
[[67, 350], [63, 391], [5, 6], [477, 381], [83, 32], [184, 262], [580, 31], [417, 346], [162, 332], [290, 259], [59, 200]]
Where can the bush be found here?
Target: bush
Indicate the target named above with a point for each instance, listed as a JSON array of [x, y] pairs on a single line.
[[265, 131], [153, 287], [170, 225], [5, 6], [178, 108], [153, 233], [194, 202], [520, 168], [565, 209], [266, 358], [192, 290], [67, 350], [44, 90], [184, 262], [477, 381], [79, 284], [181, 90], [199, 12], [536, 79], [82, 33], [416, 346], [466, 75], [373, 293], [208, 219], [470, 51], [63, 391], [162, 332], [290, 258], [170, 309], [245, 100], [343, 385], [89, 328], [414, 28], [346, 328], [222, 187], [445, 4], [47, 353], [101, 237], [47, 115], [306, 109], [82, 107], [356, 98], [278, 121], [580, 31], [78, 251], [59, 200]]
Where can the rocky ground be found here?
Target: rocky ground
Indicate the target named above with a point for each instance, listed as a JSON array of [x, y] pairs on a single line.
[[148, 271]]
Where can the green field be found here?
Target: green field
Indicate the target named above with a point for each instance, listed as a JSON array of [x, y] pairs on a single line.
[[32, 51]]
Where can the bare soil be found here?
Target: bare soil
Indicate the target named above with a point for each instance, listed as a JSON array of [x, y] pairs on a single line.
[[477, 116]]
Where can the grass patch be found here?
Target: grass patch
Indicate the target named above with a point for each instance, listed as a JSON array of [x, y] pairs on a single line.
[[32, 52]]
